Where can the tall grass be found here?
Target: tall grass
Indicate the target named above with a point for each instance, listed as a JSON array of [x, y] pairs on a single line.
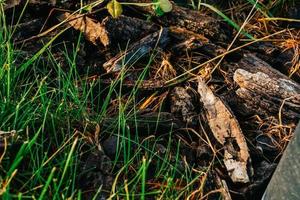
[[50, 107]]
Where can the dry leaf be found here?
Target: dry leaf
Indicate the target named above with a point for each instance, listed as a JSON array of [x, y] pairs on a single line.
[[92, 30]]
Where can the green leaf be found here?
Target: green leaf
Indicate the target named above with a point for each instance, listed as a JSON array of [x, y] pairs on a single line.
[[165, 5], [114, 8]]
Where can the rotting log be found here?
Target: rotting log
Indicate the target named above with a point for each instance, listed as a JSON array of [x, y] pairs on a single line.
[[286, 61], [192, 20], [137, 50], [225, 128], [264, 90]]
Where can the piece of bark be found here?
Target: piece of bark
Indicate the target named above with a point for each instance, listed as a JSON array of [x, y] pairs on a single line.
[[137, 50], [192, 20], [111, 31], [182, 105], [263, 89], [228, 133], [124, 29]]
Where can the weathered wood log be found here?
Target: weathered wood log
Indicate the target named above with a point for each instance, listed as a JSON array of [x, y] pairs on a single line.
[[284, 61], [228, 133], [137, 50], [192, 20], [266, 91]]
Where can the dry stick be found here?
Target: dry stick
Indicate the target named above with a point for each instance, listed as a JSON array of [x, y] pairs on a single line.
[[4, 151], [279, 19], [220, 56], [281, 107]]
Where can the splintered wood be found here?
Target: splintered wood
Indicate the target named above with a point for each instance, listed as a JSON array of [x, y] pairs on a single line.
[[227, 132]]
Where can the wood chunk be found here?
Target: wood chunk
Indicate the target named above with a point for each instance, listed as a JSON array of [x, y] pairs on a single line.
[[182, 105], [92, 30], [138, 50], [124, 29], [264, 89], [192, 20], [227, 131], [266, 94]]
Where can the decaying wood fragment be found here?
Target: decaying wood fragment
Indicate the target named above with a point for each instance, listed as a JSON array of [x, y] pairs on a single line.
[[266, 94], [192, 20], [124, 29], [227, 131], [138, 50], [92, 30], [182, 105], [265, 91]]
